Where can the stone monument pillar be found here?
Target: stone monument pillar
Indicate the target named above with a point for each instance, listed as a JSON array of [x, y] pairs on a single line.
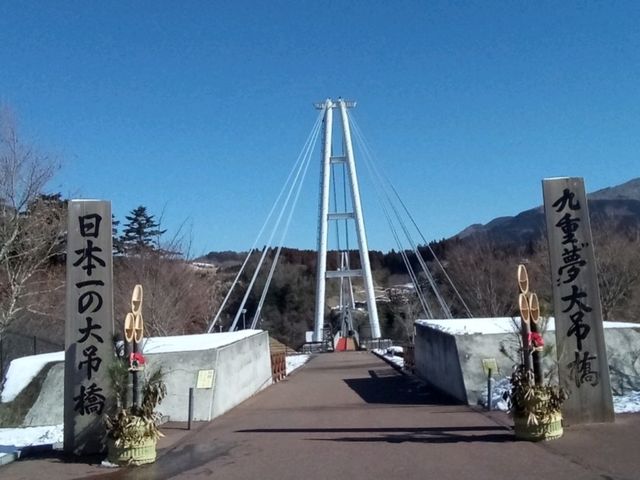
[[582, 357], [89, 346]]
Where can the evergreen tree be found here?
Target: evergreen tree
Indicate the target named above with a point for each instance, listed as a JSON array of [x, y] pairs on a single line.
[[118, 247], [141, 232]]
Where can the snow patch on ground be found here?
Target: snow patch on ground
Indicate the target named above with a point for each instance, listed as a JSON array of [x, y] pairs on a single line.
[[30, 436], [296, 361], [499, 389], [628, 403], [394, 350], [390, 355]]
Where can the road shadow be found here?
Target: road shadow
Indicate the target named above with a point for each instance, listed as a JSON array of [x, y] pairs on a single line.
[[389, 387], [486, 434], [435, 438], [413, 430]]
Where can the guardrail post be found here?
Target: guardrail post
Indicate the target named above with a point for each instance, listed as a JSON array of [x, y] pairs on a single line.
[[190, 413], [489, 393]]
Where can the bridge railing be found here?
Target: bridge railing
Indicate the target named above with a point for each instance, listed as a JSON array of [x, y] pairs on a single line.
[[317, 347], [376, 343], [408, 352]]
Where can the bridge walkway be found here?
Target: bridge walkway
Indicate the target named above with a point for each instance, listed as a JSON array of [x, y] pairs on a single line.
[[350, 415]]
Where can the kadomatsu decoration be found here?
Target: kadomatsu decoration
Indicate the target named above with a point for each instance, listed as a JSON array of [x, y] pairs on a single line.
[[534, 406], [132, 430]]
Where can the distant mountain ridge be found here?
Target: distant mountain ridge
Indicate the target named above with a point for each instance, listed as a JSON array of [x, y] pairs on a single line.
[[627, 191], [621, 203]]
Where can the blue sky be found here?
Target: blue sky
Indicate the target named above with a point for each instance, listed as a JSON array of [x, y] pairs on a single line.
[[199, 109]]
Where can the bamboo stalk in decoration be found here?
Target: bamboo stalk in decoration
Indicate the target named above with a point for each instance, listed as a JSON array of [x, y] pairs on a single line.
[[132, 430], [525, 330], [535, 407], [536, 342], [133, 335], [523, 279]]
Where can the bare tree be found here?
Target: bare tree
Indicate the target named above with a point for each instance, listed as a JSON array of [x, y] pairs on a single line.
[[484, 275], [617, 253], [179, 297], [31, 226], [405, 308]]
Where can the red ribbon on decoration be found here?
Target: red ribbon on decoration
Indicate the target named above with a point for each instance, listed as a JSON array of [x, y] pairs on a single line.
[[137, 357], [536, 340]]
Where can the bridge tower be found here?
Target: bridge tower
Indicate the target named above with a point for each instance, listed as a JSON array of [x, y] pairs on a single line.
[[325, 216]]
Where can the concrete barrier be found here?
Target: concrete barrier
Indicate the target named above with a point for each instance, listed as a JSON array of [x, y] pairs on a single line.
[[449, 354], [244, 368], [437, 361], [241, 366], [48, 407]]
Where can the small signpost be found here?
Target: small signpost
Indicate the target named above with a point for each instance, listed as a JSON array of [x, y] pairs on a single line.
[[490, 366], [89, 325], [582, 358]]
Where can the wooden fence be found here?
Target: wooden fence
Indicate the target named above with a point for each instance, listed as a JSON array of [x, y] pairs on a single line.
[[278, 366]]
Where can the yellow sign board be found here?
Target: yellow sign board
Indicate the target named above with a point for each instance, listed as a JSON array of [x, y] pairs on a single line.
[[490, 364], [205, 379]]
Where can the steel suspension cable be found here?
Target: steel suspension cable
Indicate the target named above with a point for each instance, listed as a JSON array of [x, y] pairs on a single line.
[[273, 231], [263, 296], [412, 275], [414, 279], [423, 265], [433, 254], [266, 222], [411, 218]]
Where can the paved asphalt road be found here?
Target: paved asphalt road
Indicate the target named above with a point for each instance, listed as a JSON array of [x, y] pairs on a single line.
[[351, 416]]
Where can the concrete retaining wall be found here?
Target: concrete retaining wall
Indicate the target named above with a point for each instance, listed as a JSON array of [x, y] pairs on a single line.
[[181, 373], [437, 361], [453, 363], [48, 407], [241, 369]]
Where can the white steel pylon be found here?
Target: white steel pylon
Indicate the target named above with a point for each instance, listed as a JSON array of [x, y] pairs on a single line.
[[324, 216]]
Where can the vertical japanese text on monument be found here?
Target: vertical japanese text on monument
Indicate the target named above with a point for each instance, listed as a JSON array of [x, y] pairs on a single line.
[[576, 303], [89, 260]]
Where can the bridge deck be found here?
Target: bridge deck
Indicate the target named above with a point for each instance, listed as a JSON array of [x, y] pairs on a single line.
[[349, 415]]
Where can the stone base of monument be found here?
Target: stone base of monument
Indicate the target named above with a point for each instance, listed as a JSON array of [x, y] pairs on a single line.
[[547, 429], [137, 453]]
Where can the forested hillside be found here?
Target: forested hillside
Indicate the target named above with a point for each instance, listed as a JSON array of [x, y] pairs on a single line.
[[482, 269]]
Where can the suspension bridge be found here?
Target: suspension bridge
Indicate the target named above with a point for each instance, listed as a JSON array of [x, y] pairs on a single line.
[[341, 219], [343, 415]]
